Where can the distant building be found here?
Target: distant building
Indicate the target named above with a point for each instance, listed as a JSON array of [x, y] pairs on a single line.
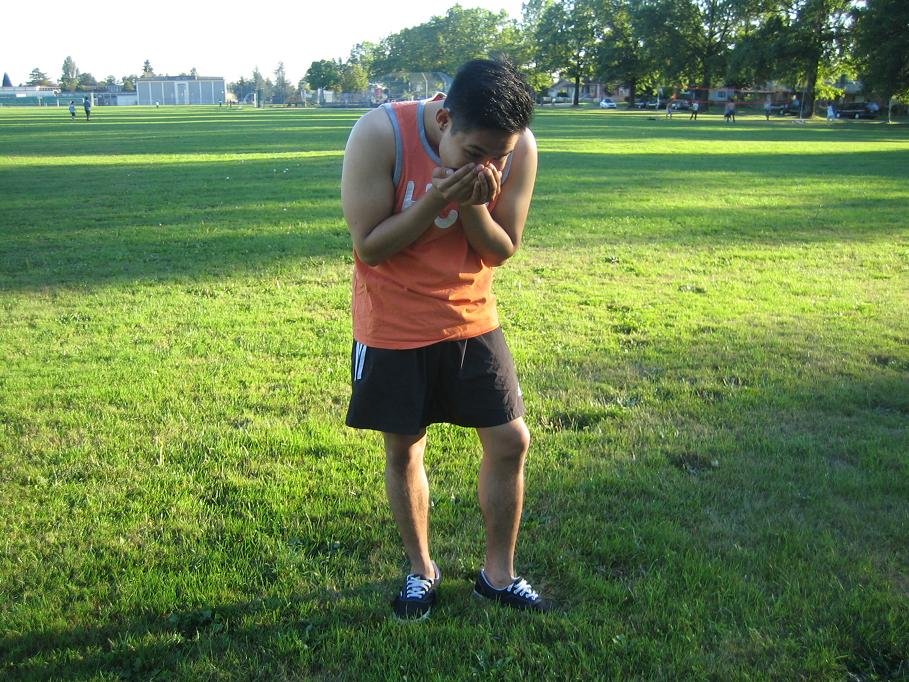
[[28, 95], [180, 90]]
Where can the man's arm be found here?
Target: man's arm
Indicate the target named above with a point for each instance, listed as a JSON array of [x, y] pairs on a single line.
[[497, 236], [368, 193]]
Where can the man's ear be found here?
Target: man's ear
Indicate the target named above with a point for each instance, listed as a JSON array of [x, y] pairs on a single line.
[[443, 118]]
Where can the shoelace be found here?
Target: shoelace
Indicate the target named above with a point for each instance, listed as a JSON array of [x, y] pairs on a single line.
[[522, 588], [416, 587]]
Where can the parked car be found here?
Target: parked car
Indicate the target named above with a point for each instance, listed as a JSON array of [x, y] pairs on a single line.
[[681, 105], [856, 111], [607, 103], [788, 109]]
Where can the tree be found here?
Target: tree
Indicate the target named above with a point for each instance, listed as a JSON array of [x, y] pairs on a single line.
[[443, 43], [364, 54], [283, 89], [758, 54], [261, 86], [324, 74], [711, 27], [882, 49], [38, 77], [516, 44], [87, 82], [819, 34], [623, 55], [567, 39], [244, 88], [128, 83], [353, 78], [69, 79], [801, 42], [147, 70]]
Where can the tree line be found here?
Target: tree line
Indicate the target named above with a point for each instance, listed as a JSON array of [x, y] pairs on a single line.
[[811, 46], [73, 80]]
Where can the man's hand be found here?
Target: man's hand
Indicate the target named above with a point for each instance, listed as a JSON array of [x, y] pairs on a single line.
[[471, 184], [456, 186], [488, 185]]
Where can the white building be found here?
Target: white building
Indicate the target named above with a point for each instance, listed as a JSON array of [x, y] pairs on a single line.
[[180, 90]]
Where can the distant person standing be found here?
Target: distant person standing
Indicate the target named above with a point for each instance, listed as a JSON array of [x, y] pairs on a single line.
[[72, 110], [694, 110], [729, 114], [831, 114], [767, 109], [87, 105], [668, 108]]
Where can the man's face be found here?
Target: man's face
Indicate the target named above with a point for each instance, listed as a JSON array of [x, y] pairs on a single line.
[[480, 146]]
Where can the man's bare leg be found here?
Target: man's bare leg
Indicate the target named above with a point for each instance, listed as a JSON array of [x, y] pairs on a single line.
[[501, 492], [408, 495]]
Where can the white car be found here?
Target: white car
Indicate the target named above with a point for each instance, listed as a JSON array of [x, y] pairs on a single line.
[[607, 103]]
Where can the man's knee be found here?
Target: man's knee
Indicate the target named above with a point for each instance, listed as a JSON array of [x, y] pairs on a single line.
[[508, 442], [403, 450]]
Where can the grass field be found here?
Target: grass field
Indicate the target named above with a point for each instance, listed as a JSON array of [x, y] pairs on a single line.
[[711, 325]]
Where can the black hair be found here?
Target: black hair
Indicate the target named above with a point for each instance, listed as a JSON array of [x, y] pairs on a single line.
[[491, 95]]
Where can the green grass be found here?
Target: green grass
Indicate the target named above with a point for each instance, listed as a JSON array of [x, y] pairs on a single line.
[[711, 328]]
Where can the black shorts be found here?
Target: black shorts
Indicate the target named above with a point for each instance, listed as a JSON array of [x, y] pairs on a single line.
[[468, 383]]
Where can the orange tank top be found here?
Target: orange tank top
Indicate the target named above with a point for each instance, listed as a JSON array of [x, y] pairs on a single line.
[[436, 289]]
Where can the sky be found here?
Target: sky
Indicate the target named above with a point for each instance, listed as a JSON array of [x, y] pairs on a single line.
[[115, 38]]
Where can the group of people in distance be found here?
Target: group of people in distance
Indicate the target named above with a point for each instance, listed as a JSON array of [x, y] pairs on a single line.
[[695, 106], [86, 104]]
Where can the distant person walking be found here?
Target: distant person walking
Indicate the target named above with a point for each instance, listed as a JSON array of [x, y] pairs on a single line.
[[729, 114], [668, 108], [87, 105], [767, 109], [694, 110], [831, 113], [72, 110]]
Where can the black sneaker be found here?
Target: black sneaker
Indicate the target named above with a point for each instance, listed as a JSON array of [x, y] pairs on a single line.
[[418, 596], [518, 595]]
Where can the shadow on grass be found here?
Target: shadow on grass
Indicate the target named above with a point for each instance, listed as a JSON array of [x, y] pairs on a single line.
[[107, 224], [747, 167], [692, 566], [102, 224], [748, 128], [730, 502], [272, 637], [747, 198]]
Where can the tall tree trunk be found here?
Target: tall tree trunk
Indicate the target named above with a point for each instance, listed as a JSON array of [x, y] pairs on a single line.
[[633, 92], [577, 87], [810, 87]]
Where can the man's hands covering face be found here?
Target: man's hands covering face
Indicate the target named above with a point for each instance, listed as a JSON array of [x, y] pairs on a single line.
[[471, 184]]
